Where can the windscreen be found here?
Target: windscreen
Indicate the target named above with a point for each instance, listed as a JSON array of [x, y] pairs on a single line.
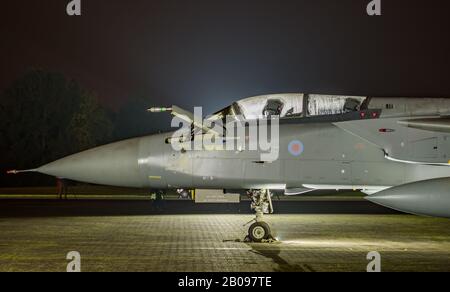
[[320, 105], [290, 105], [283, 105]]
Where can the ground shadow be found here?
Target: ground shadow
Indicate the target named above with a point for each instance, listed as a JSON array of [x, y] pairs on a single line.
[[272, 251], [73, 208]]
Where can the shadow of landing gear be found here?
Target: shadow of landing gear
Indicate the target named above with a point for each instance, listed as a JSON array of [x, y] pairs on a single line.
[[273, 251]]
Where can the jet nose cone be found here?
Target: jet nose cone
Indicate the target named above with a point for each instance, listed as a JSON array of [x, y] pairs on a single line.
[[114, 164]]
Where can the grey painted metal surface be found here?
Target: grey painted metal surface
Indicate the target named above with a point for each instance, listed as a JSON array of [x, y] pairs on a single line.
[[331, 157], [430, 124], [367, 152], [429, 198]]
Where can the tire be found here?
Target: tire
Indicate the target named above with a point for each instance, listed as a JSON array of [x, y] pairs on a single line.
[[259, 231]]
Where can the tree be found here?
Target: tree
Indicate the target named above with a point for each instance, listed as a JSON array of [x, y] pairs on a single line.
[[132, 120], [44, 117], [90, 124]]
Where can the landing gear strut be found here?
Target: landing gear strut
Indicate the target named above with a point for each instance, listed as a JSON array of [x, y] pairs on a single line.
[[260, 231]]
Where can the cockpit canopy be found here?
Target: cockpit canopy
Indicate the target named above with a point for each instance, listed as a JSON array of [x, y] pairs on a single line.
[[291, 105]]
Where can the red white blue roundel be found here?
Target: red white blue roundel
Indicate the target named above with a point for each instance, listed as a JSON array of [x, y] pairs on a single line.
[[296, 148]]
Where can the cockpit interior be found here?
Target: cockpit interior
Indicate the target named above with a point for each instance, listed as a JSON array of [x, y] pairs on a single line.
[[291, 105]]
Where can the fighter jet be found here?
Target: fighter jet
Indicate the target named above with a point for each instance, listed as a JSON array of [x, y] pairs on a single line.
[[395, 150]]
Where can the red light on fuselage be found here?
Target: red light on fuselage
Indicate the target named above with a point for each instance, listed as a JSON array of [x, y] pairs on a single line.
[[383, 130]]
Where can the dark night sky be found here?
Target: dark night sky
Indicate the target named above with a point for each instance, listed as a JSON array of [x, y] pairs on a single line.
[[213, 52]]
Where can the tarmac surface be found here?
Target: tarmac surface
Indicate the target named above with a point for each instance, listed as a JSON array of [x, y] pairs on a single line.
[[36, 235]]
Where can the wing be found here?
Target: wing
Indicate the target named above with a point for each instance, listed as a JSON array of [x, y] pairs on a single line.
[[423, 140]]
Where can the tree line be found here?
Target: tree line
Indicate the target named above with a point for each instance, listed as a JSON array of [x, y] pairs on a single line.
[[45, 116]]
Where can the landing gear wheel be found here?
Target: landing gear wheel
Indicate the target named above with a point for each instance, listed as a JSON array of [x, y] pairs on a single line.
[[259, 232]]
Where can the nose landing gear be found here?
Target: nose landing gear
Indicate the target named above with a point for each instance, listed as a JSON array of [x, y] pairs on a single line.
[[260, 231]]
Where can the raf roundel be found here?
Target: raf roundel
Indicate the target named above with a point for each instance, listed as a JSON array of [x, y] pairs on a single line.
[[296, 148]]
